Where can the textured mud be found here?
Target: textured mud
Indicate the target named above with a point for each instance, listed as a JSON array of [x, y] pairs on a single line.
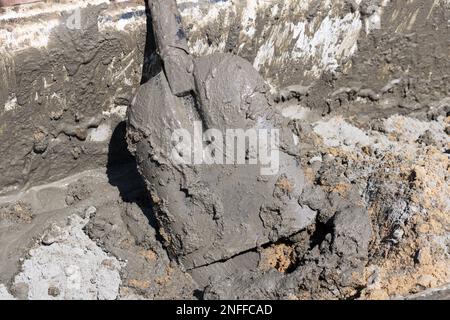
[[50, 134], [222, 200], [221, 207], [96, 243], [382, 228], [373, 169], [64, 101]]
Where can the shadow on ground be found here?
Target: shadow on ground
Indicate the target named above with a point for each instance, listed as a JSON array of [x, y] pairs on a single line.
[[122, 173]]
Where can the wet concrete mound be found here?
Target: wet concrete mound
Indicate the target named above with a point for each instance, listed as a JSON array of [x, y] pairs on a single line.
[[213, 208], [335, 186]]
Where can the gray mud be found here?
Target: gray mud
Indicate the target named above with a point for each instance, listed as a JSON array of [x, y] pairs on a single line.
[[359, 210], [224, 202], [346, 219], [59, 126], [210, 212]]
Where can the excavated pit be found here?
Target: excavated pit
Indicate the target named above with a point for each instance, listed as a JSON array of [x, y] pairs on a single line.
[[370, 140]]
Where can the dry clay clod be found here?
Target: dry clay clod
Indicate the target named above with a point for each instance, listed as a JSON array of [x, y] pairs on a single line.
[[209, 213]]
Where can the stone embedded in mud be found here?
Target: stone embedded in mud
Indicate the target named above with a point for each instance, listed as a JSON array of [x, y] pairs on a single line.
[[41, 140], [213, 212], [53, 291]]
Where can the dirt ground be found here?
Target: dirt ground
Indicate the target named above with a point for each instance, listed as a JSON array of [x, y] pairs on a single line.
[[372, 146], [96, 231]]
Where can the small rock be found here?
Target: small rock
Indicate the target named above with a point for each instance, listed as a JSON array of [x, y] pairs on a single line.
[[56, 115], [90, 212], [315, 159], [427, 138], [397, 235], [76, 152], [53, 234], [328, 157], [109, 264], [70, 200], [40, 141], [54, 291]]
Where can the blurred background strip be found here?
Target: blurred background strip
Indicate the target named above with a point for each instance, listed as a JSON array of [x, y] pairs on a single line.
[[8, 3]]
